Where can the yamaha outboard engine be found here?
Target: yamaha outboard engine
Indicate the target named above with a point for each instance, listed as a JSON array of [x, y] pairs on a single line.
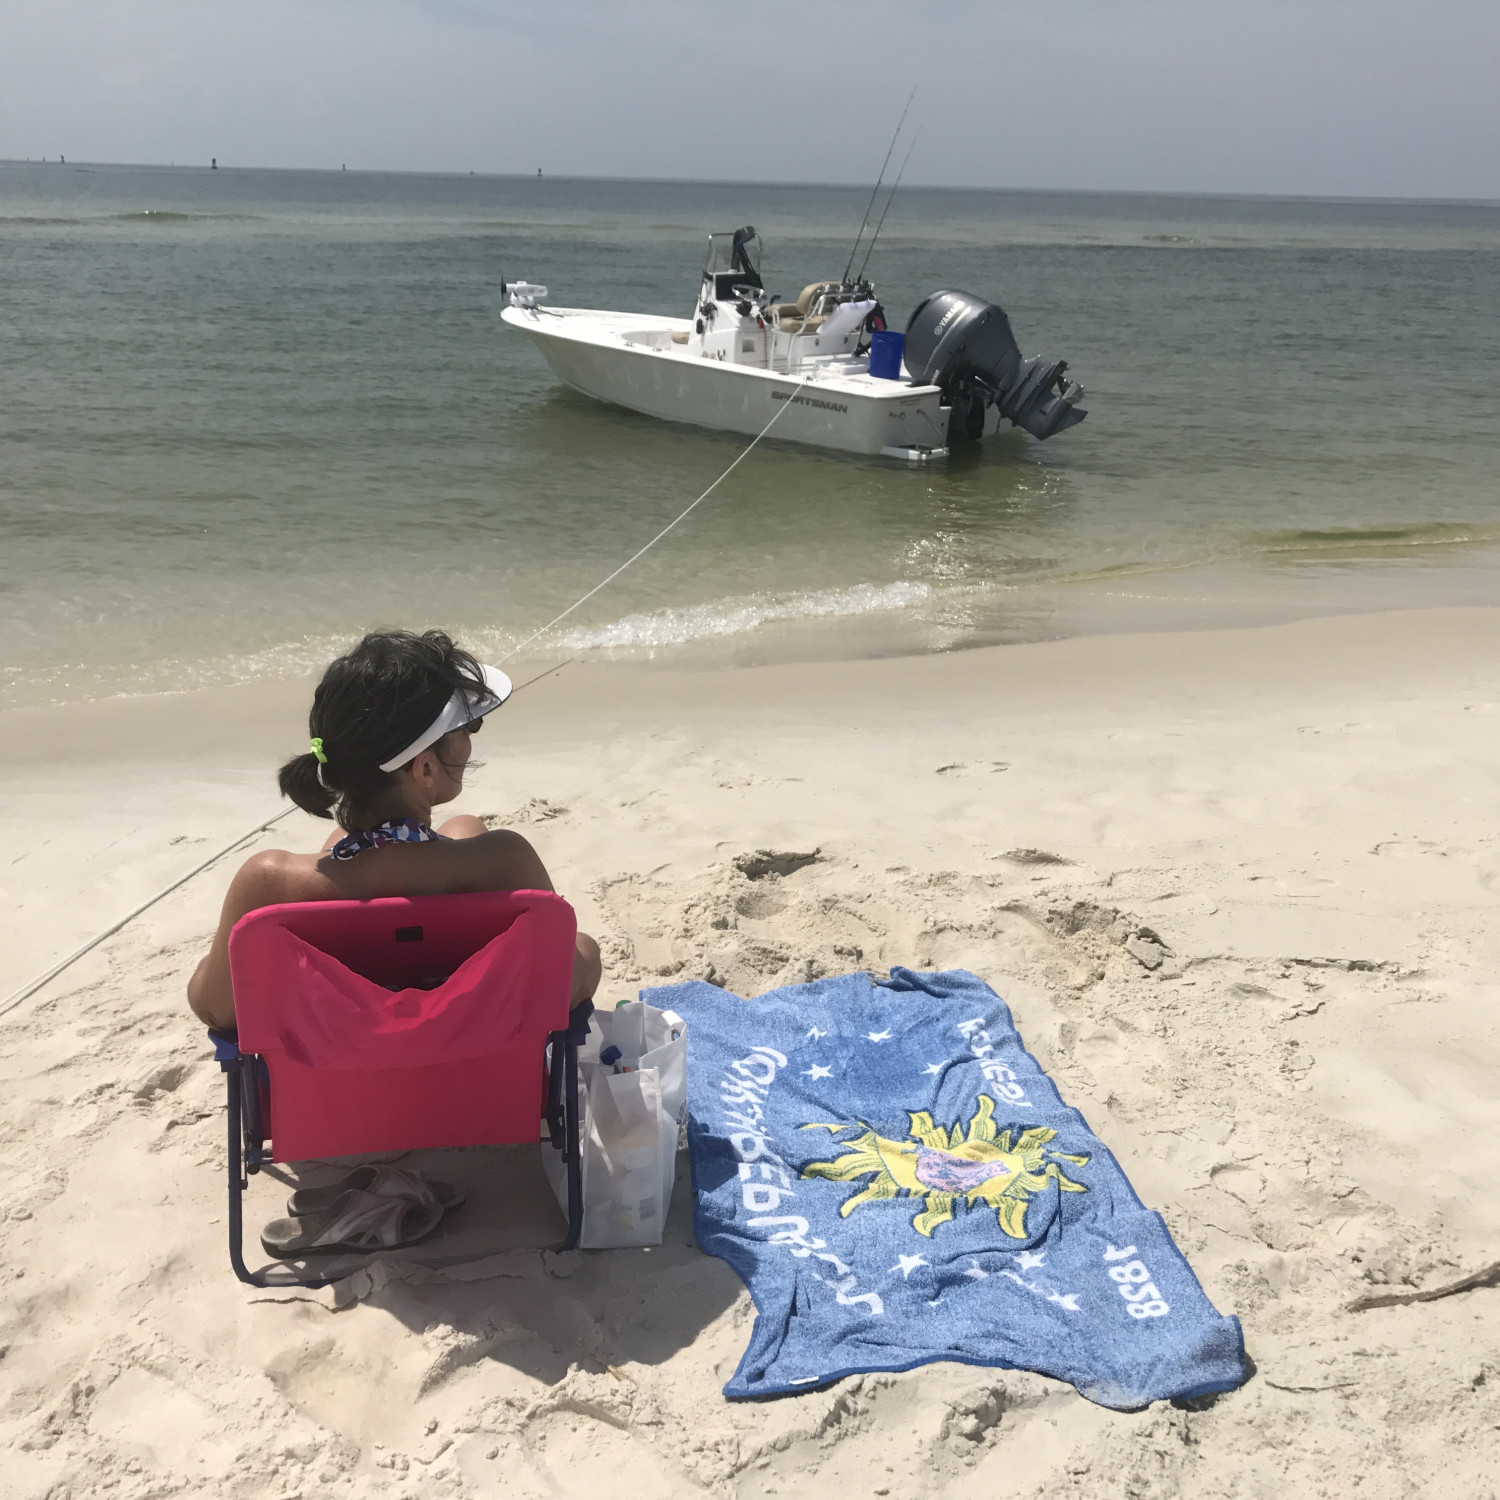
[[955, 341]]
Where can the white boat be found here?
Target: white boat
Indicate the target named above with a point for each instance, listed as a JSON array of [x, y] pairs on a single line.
[[825, 362]]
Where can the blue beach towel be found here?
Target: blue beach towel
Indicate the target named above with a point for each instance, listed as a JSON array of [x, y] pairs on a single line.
[[897, 1181]]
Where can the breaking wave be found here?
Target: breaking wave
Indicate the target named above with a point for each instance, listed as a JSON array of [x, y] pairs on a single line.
[[723, 617]]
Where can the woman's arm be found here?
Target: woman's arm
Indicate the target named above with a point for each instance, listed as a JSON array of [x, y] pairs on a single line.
[[260, 881]]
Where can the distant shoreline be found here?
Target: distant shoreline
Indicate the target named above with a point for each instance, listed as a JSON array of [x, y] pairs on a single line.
[[458, 174]]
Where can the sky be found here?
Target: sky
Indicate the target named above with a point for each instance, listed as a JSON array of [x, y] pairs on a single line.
[[1364, 98]]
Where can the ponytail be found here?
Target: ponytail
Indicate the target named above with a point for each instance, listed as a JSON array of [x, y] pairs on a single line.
[[299, 780]]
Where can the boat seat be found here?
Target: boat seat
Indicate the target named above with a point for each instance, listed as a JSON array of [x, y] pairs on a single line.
[[795, 324], [798, 310], [679, 338]]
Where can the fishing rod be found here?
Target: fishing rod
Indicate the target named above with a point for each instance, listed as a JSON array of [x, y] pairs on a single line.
[[879, 180], [883, 212]]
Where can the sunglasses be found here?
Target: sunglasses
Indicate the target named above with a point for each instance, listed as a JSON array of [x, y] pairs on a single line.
[[472, 727]]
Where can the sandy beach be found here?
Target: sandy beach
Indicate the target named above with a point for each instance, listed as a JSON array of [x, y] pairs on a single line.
[[1305, 1084]]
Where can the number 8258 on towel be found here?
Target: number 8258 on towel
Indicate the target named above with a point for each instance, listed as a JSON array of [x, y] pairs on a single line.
[[1133, 1282]]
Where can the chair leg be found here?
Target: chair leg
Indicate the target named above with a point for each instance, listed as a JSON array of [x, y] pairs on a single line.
[[237, 1181], [574, 1034], [574, 1153], [554, 1113], [270, 1277]]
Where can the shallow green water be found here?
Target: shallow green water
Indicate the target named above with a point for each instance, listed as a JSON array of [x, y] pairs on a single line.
[[244, 415]]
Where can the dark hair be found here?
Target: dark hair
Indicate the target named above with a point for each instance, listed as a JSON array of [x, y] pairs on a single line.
[[368, 707]]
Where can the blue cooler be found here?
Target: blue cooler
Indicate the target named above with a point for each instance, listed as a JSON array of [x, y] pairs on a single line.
[[886, 349]]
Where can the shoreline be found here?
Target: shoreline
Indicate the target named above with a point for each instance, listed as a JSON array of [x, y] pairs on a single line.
[[234, 718], [1304, 1087], [1139, 599]]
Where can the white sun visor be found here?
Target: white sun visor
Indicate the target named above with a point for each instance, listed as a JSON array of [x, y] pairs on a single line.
[[460, 709]]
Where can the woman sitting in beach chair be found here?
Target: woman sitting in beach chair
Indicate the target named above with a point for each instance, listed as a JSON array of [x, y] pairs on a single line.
[[391, 727]]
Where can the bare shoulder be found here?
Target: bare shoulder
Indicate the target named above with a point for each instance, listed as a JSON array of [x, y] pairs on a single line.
[[504, 842], [499, 859], [273, 876], [512, 853]]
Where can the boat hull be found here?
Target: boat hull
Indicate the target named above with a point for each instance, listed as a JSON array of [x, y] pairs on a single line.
[[819, 407]]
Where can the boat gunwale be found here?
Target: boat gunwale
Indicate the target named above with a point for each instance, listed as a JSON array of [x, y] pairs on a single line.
[[825, 376]]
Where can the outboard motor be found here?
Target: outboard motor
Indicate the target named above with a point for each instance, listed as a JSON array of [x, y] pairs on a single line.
[[964, 345]]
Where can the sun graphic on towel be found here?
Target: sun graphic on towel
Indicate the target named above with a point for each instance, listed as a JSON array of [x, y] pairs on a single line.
[[982, 1165]]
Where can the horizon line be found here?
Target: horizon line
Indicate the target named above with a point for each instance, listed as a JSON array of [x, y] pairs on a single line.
[[464, 174]]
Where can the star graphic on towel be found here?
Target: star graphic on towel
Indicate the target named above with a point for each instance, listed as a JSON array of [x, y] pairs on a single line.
[[906, 1264], [815, 1035], [878, 1036], [933, 1068], [818, 1071], [1068, 1300], [1029, 1260], [977, 1271]]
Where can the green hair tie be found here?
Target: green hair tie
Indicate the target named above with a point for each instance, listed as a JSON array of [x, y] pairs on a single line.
[[317, 750]]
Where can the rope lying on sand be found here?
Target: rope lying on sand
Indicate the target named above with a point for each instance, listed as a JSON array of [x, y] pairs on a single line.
[[72, 958], [1486, 1277], [25, 993]]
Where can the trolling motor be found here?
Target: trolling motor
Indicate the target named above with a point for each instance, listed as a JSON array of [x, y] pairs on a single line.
[[965, 345]]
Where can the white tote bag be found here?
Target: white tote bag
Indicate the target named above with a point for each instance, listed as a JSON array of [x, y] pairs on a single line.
[[629, 1127]]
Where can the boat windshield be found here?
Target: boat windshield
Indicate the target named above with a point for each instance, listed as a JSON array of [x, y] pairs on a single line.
[[737, 251]]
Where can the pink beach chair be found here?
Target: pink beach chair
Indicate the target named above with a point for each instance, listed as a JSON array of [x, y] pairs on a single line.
[[399, 1024]]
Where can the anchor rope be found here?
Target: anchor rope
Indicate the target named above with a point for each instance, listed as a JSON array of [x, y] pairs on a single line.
[[775, 417]]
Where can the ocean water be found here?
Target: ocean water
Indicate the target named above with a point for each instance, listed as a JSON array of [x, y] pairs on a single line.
[[246, 415]]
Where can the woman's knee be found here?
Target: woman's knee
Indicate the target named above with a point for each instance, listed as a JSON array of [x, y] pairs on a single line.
[[588, 968]]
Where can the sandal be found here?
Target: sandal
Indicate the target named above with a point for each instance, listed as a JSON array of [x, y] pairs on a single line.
[[358, 1222], [381, 1182]]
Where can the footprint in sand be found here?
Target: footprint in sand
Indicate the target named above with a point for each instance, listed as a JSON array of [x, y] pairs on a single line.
[[154, 1422], [533, 810], [1032, 857], [1399, 848], [762, 862]]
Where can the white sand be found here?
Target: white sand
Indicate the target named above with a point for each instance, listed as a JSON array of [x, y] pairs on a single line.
[[1308, 1088]]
